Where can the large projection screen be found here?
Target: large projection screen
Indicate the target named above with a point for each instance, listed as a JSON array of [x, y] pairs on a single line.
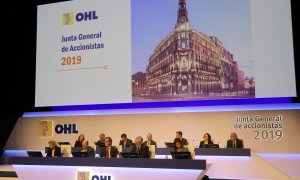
[[123, 51]]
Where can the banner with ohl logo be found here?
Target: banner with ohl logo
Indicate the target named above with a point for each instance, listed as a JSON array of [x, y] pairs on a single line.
[[46, 128], [66, 129], [86, 175], [68, 18]]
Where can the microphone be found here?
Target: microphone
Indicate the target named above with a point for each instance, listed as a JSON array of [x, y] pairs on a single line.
[[194, 143]]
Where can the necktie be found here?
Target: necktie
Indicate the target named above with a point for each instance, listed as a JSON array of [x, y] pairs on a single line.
[[148, 143], [233, 144], [107, 153]]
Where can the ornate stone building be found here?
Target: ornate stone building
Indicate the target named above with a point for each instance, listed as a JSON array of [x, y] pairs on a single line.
[[138, 83], [190, 62]]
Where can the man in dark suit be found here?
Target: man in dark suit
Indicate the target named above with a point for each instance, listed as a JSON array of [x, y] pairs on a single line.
[[234, 142], [125, 142], [149, 140], [109, 151], [183, 140], [90, 152], [141, 150], [53, 150], [101, 142]]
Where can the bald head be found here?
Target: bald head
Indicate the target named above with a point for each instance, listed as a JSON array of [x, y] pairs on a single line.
[[85, 144], [149, 137], [233, 136], [102, 137]]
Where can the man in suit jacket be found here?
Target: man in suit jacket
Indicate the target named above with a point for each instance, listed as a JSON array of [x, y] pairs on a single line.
[[53, 150], [86, 148], [101, 142], [234, 142], [125, 142], [140, 149], [183, 140], [149, 140], [109, 151]]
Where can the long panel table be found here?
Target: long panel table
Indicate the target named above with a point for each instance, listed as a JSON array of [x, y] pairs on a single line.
[[73, 168], [112, 162]]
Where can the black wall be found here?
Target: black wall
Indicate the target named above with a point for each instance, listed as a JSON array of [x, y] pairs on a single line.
[[18, 52], [18, 49]]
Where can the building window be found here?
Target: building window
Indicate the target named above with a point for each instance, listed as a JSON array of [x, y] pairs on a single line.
[[183, 34]]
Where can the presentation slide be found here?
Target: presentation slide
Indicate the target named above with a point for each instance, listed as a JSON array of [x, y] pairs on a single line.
[[123, 51]]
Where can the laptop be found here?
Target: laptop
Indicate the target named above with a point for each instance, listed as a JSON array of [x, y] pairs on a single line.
[[64, 143], [47, 149], [99, 145], [34, 154], [129, 155], [181, 155], [169, 144], [126, 150], [79, 154], [211, 145], [76, 149]]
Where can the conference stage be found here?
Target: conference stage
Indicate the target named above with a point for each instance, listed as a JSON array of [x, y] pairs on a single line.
[[264, 144]]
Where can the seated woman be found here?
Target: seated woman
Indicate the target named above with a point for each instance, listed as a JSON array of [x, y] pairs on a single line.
[[78, 143], [178, 146], [54, 150], [206, 140]]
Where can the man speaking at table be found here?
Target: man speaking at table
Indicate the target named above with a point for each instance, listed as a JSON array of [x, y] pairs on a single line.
[[234, 142], [109, 151], [141, 150]]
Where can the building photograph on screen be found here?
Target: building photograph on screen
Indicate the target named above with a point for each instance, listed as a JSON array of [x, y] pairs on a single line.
[[191, 50]]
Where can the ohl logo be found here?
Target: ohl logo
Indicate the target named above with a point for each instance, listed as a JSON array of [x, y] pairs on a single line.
[[68, 18]]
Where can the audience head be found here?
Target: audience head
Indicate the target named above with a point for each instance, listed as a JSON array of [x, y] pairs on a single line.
[[179, 134], [108, 141], [85, 144], [233, 136], [52, 144], [81, 137], [102, 136], [177, 144], [138, 141], [149, 137], [124, 137], [207, 137]]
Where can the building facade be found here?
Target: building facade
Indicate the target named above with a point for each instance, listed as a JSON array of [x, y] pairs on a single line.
[[138, 83], [190, 62]]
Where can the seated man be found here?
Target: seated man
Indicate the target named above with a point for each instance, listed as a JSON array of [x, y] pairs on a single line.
[[149, 140], [109, 151], [101, 141], [141, 150], [183, 140], [125, 142], [54, 150], [88, 149], [234, 142]]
